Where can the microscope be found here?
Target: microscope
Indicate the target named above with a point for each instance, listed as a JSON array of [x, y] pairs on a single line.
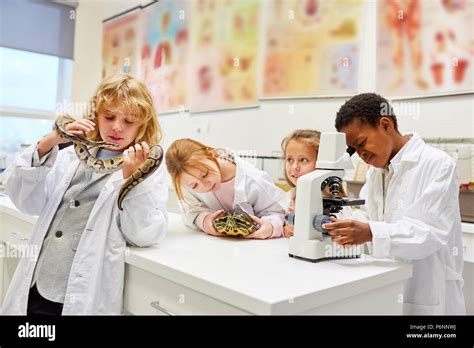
[[310, 241]]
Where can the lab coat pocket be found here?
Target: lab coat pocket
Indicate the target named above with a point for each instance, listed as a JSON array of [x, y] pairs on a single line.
[[76, 239], [418, 309]]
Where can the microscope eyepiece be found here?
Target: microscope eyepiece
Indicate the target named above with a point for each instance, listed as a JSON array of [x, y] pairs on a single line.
[[350, 150]]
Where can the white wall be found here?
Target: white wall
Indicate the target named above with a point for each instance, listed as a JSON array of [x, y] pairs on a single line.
[[261, 129]]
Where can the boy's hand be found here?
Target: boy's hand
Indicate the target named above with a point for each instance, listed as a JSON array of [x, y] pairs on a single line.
[[265, 231], [133, 158], [208, 224], [349, 232]]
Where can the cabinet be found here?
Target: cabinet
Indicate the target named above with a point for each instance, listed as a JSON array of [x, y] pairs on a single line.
[[148, 294], [468, 271], [14, 235]]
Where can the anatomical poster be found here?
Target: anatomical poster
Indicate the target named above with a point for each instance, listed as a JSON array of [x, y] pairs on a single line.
[[312, 47], [425, 47], [223, 62], [121, 44], [165, 53]]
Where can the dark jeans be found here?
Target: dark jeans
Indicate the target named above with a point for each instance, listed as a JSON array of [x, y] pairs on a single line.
[[38, 305]]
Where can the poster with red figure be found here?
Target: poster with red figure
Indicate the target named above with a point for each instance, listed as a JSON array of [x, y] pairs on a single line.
[[425, 47]]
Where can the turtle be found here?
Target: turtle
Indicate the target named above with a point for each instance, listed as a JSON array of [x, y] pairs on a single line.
[[235, 222]]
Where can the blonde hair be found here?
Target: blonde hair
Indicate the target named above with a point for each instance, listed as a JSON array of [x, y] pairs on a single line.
[[184, 154], [135, 96], [309, 137]]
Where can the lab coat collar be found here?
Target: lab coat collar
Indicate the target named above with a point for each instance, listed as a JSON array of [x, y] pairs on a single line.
[[116, 179], [114, 182], [412, 149], [410, 152]]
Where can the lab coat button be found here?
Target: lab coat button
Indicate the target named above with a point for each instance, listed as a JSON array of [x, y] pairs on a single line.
[[73, 203], [59, 234]]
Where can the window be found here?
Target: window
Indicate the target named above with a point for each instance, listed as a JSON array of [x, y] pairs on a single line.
[[18, 132], [32, 87]]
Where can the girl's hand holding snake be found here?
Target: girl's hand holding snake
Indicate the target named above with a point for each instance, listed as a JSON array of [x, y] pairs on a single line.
[[79, 128], [133, 158]]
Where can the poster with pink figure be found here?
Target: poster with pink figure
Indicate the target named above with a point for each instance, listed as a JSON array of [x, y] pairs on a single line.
[[121, 44], [425, 47], [164, 53], [224, 51]]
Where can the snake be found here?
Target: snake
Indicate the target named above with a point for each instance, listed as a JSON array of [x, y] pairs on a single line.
[[86, 150]]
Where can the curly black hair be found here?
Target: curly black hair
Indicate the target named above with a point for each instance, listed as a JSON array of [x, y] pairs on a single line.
[[368, 108]]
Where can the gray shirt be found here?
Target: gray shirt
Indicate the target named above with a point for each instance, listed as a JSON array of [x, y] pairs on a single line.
[[65, 231]]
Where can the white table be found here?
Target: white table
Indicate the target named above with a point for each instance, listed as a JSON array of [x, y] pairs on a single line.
[[257, 276], [190, 272]]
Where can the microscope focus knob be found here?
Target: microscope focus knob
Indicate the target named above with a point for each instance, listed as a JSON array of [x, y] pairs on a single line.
[[319, 220]]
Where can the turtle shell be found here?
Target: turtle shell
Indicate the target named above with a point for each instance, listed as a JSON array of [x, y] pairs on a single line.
[[235, 223]]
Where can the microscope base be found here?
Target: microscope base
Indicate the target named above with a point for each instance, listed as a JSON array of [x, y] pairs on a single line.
[[315, 250], [324, 258]]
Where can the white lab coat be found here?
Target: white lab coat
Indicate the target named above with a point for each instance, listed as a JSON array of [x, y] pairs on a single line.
[[255, 192], [96, 280], [420, 223]]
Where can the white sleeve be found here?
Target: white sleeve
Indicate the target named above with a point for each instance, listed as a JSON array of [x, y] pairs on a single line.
[[36, 161], [268, 202], [144, 219], [349, 213], [426, 224], [266, 198], [191, 208], [29, 183]]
